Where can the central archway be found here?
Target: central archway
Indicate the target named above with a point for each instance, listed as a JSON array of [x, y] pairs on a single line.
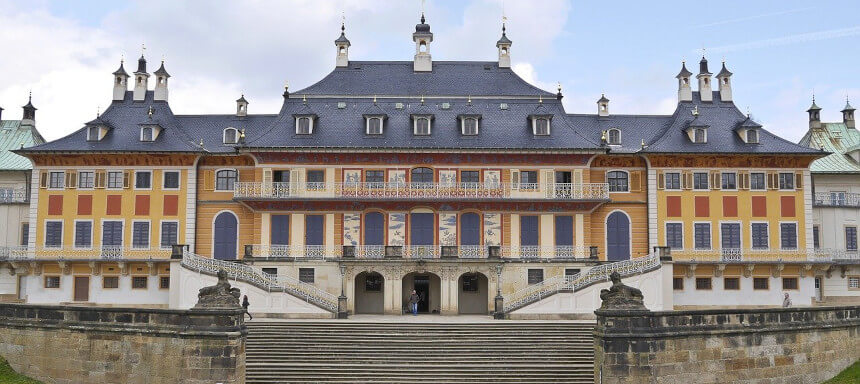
[[369, 293], [472, 294], [429, 288]]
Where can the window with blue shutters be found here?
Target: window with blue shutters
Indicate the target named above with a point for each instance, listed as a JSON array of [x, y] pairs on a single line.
[[314, 230], [111, 233], [731, 235], [851, 238], [788, 235], [140, 235], [702, 234], [759, 236], [83, 234], [528, 231], [675, 235], [53, 234], [564, 231], [374, 228], [280, 230], [169, 233]]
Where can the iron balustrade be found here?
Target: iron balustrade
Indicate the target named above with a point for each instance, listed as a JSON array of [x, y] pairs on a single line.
[[13, 195], [94, 253], [836, 199], [737, 255], [321, 252], [395, 190]]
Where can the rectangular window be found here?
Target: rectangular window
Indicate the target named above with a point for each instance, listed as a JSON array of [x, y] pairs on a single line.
[[25, 234], [271, 271], [53, 234], [529, 231], [225, 179], [375, 177], [853, 282], [57, 180], [83, 234], [169, 233], [731, 283], [52, 282], [164, 282], [143, 180], [111, 233], [731, 235], [788, 235], [851, 238], [702, 235], [815, 241], [678, 283], [789, 283], [786, 181], [617, 181], [703, 283], [110, 282], [281, 176], [316, 179], [86, 179], [759, 236], [761, 283], [568, 272], [528, 180], [470, 283], [757, 181], [535, 276], [140, 235], [675, 236], [306, 275], [700, 180], [139, 282], [673, 180], [171, 180], [280, 230], [729, 180], [470, 177], [115, 180], [314, 229]]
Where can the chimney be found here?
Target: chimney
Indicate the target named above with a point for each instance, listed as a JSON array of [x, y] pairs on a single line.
[[705, 93]]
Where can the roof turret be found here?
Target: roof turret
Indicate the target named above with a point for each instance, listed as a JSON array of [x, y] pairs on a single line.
[[141, 65], [342, 39], [684, 71], [724, 72], [703, 66], [121, 71], [504, 39], [161, 71], [423, 27]]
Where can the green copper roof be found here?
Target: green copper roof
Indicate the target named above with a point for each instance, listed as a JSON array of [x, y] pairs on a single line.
[[838, 139], [13, 136]]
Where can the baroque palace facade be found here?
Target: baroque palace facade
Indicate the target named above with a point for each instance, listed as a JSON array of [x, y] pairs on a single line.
[[457, 179]]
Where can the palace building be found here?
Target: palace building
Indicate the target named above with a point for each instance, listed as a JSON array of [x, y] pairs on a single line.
[[454, 178]]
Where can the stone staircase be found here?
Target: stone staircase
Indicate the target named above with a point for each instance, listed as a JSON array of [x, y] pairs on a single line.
[[411, 352]]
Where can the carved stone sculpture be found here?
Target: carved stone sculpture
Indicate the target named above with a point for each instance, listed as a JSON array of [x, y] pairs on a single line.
[[620, 296], [220, 295]]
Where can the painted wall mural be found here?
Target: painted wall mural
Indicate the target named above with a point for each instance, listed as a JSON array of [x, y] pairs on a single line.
[[396, 228], [492, 178], [447, 229], [493, 229], [351, 228], [397, 176], [351, 176], [448, 178]]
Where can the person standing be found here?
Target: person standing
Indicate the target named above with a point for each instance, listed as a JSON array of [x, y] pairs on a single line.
[[245, 305], [413, 302], [786, 301]]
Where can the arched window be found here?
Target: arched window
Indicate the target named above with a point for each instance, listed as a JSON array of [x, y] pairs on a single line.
[[752, 136], [617, 181], [304, 125], [614, 137], [231, 135], [422, 126], [470, 126], [374, 125], [541, 126], [225, 179], [700, 135], [119, 80], [422, 176], [145, 133], [422, 46]]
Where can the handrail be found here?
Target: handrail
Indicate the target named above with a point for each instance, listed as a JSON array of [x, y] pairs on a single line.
[[404, 190], [737, 255], [836, 199], [13, 195], [262, 280], [92, 253], [321, 252], [536, 292]]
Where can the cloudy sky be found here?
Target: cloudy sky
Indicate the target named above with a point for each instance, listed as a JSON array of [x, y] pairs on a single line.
[[780, 51]]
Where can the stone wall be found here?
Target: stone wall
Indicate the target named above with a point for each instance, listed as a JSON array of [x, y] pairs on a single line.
[[783, 345], [58, 344]]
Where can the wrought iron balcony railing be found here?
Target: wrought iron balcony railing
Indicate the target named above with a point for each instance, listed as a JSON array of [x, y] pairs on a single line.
[[736, 255], [836, 199], [13, 195], [96, 253], [319, 252], [465, 191]]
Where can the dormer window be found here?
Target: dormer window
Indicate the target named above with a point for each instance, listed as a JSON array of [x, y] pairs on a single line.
[[93, 133], [752, 136], [231, 135], [421, 125], [700, 135], [469, 125], [541, 125], [146, 134], [374, 124], [304, 125], [614, 137]]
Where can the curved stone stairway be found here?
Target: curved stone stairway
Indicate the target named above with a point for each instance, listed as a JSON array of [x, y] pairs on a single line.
[[412, 352]]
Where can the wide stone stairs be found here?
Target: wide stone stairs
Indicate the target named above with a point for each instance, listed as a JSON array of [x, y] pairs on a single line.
[[409, 352]]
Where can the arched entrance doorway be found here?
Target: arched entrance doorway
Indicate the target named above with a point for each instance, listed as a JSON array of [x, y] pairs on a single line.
[[429, 288], [472, 294], [369, 293], [617, 236], [224, 234]]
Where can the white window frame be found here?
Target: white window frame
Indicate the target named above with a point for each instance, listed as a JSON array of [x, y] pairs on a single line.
[[151, 133], [548, 126], [609, 136], [75, 233], [779, 181], [740, 237], [161, 230], [752, 240], [763, 180], [680, 180], [45, 234], [747, 138], [704, 135], [367, 121], [148, 237], [151, 174], [121, 183], [91, 171], [164, 180], [310, 124], [707, 180], [62, 181], [737, 180], [98, 132], [666, 235], [710, 235], [796, 235], [415, 125], [122, 233], [463, 125], [215, 177], [618, 170], [235, 136]]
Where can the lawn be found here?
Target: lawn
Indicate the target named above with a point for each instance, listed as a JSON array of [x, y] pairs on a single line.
[[9, 376], [850, 375]]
